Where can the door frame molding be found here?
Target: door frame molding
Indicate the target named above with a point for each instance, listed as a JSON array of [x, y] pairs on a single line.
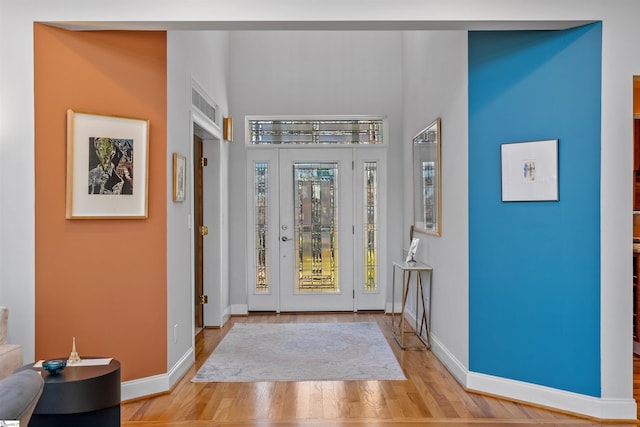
[[270, 154], [202, 127]]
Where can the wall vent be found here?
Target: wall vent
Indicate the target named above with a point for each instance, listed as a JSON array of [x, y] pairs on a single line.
[[209, 109]]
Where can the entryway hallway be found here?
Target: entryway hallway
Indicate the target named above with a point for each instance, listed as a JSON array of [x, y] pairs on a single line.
[[430, 396]]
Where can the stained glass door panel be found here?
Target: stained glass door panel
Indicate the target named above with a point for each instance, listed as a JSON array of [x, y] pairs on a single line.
[[316, 244], [316, 227]]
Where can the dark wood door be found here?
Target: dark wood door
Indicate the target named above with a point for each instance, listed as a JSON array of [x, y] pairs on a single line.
[[199, 223], [636, 164]]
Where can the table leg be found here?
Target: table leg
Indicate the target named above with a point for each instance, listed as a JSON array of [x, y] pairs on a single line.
[[404, 305], [393, 297], [424, 323]]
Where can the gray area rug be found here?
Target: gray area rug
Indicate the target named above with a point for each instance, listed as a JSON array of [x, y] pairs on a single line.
[[301, 352]]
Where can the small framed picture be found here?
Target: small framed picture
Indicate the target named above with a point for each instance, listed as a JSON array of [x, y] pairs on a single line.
[[529, 171], [179, 177]]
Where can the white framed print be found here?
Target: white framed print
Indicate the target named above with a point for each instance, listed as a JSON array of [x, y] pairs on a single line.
[[107, 166], [529, 171]]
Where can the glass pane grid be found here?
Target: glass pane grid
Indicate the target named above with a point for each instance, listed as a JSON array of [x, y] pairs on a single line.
[[428, 188], [370, 226], [316, 221], [262, 227], [359, 132]]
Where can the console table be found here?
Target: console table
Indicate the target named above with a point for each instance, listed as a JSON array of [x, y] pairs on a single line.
[[409, 270], [79, 396]]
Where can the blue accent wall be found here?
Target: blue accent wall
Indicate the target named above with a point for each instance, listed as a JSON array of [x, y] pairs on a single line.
[[534, 272]]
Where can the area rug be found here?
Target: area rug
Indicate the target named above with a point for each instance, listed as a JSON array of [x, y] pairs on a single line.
[[301, 352]]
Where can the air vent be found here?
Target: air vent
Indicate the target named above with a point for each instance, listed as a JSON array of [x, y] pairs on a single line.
[[207, 108]]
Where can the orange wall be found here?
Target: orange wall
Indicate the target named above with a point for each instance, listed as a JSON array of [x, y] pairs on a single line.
[[636, 100], [102, 281]]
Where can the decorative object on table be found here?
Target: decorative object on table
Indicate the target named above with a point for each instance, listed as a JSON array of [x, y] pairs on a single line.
[[411, 255], [427, 199], [54, 366], [74, 357], [179, 177], [107, 166], [529, 171]]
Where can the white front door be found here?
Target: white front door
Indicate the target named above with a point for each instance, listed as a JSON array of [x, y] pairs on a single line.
[[316, 230], [315, 239]]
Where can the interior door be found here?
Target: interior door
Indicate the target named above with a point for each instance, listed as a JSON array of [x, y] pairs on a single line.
[[316, 229], [199, 222]]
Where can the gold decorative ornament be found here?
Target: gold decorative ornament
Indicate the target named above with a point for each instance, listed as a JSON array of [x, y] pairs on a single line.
[[73, 357]]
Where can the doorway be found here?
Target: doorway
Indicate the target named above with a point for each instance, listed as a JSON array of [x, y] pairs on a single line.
[[314, 218], [203, 224], [636, 214], [198, 235]]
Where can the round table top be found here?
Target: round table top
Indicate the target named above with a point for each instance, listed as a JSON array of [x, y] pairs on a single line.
[[77, 373]]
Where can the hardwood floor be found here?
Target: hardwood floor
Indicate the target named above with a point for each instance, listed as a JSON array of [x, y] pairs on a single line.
[[429, 397]]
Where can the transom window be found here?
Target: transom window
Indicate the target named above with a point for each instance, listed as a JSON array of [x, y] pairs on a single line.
[[316, 131]]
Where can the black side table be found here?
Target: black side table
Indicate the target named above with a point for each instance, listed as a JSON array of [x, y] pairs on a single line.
[[79, 396]]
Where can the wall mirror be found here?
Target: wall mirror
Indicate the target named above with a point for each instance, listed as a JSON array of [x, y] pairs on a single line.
[[427, 209]]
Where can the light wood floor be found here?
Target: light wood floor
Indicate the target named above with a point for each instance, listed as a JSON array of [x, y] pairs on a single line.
[[430, 396]]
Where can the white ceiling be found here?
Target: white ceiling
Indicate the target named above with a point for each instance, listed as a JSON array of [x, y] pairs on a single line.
[[334, 25]]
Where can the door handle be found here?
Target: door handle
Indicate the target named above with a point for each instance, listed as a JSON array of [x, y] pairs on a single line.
[[285, 239]]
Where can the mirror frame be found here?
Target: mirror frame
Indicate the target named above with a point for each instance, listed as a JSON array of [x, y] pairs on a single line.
[[426, 149]]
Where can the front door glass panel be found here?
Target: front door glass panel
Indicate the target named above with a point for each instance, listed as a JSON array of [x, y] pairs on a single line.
[[370, 226], [262, 226], [316, 227]]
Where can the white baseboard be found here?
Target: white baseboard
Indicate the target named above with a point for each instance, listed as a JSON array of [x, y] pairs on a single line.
[[226, 315], [181, 367], [393, 309], [157, 383], [239, 310], [453, 365], [601, 408]]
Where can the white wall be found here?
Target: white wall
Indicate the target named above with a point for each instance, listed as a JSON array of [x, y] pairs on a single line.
[[307, 73], [620, 61], [435, 85], [17, 226], [203, 57]]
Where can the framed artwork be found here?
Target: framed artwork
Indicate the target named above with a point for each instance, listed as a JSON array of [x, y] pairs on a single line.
[[107, 166], [179, 177], [427, 204], [529, 171]]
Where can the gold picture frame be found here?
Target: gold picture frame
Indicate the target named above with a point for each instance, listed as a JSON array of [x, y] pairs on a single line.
[[107, 166], [179, 177], [427, 189]]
